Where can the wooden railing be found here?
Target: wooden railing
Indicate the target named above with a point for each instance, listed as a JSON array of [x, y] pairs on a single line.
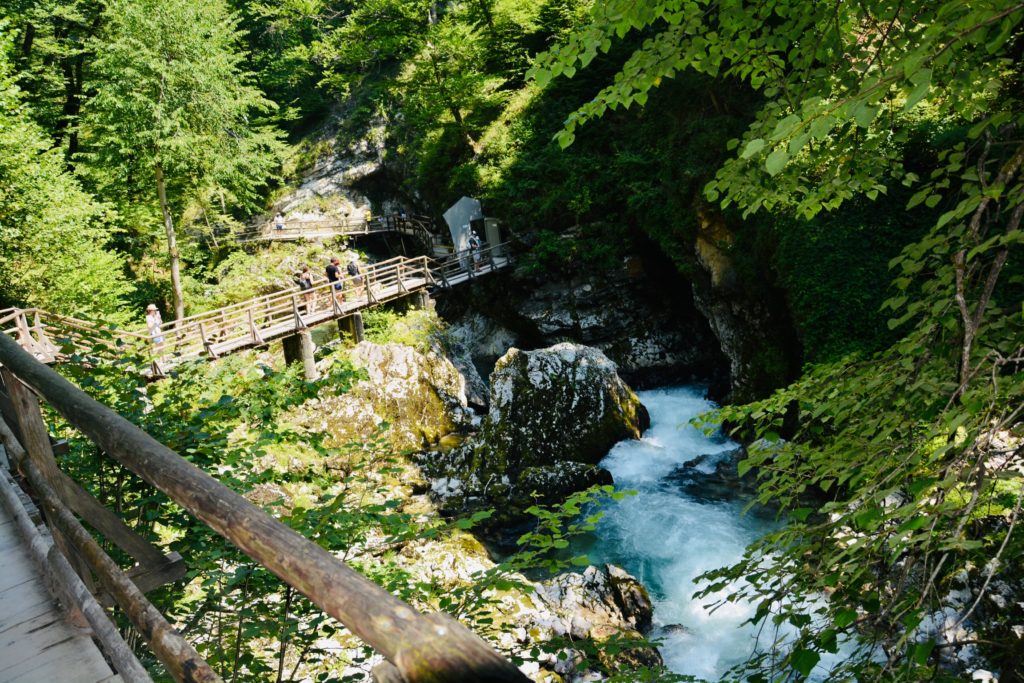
[[219, 332], [260, 320], [471, 264], [255, 322], [416, 647]]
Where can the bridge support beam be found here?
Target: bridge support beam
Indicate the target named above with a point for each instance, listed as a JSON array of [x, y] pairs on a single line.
[[299, 348], [352, 326]]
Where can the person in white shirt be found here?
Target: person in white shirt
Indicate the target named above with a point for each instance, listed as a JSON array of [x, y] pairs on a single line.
[[153, 323]]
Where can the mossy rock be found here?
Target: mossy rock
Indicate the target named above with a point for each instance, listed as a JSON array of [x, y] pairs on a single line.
[[562, 403]]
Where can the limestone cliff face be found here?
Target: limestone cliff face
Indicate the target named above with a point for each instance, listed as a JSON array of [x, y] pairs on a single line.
[[335, 184], [750, 320], [638, 314]]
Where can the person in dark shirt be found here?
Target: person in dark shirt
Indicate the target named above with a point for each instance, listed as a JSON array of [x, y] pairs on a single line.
[[334, 276], [355, 275], [304, 279]]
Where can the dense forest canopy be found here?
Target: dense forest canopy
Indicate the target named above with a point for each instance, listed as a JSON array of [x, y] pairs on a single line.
[[861, 163]]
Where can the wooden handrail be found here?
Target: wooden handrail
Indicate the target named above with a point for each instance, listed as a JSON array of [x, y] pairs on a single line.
[[244, 324], [422, 648]]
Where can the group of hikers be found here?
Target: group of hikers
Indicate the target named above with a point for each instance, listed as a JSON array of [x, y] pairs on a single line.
[[352, 274], [336, 276]]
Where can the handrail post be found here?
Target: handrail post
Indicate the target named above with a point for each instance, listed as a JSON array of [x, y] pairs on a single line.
[[34, 434], [370, 300], [299, 325], [44, 341], [207, 343], [335, 304], [256, 337]]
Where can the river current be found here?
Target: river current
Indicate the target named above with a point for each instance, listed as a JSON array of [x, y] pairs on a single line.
[[676, 527]]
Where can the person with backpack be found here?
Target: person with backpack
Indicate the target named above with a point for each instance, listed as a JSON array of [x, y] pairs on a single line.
[[304, 279], [474, 248], [355, 274], [334, 277]]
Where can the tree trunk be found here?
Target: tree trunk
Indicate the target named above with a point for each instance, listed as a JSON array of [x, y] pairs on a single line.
[[172, 245]]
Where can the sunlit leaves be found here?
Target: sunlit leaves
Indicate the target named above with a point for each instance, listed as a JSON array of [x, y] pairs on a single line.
[[817, 68]]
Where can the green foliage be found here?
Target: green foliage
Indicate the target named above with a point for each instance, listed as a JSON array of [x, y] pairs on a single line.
[[174, 119], [53, 235], [244, 275], [415, 328], [835, 271], [541, 548], [839, 98], [187, 108], [899, 443]]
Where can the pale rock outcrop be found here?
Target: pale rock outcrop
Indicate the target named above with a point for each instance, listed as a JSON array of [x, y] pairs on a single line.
[[420, 395]]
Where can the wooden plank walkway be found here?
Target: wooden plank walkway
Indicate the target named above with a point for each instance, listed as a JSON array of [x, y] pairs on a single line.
[[37, 643]]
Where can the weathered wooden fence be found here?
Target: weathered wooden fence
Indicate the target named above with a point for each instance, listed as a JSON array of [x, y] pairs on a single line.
[[416, 647], [212, 334], [216, 333]]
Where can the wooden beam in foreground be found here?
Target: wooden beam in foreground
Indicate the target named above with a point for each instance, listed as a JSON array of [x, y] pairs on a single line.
[[435, 648]]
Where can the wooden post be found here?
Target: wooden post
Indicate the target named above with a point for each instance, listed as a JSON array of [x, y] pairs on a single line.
[[370, 299], [207, 343], [299, 348], [44, 340], [257, 339], [352, 326], [25, 334], [400, 268], [34, 435], [299, 325]]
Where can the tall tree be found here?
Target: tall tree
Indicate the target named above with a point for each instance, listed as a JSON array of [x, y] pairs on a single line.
[[173, 102], [53, 251]]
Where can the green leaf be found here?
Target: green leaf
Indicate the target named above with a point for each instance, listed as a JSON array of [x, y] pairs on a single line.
[[804, 661], [864, 114], [845, 617], [821, 126], [919, 652], [752, 148], [776, 161], [918, 92], [743, 466]]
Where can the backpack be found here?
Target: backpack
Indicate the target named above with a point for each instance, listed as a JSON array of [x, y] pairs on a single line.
[[353, 269], [474, 242]]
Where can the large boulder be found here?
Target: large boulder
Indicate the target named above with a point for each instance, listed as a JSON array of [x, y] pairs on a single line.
[[565, 402], [554, 413], [421, 396]]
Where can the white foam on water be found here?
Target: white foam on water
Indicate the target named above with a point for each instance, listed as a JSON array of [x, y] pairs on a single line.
[[666, 538]]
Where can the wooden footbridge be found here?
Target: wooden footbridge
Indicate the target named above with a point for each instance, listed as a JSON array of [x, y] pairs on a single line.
[[67, 634], [287, 315]]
